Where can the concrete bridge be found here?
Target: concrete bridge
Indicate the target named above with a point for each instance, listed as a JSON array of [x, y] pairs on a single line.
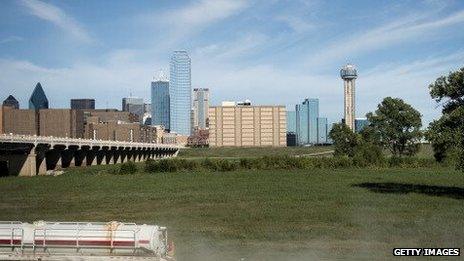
[[34, 155]]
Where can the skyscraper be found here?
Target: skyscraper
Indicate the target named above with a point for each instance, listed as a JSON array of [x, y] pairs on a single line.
[[200, 108], [360, 124], [322, 130], [306, 121], [83, 104], [160, 102], [291, 121], [134, 105], [38, 99], [180, 93], [349, 75], [11, 102]]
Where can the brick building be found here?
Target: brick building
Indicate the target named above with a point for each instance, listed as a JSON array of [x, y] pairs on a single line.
[[19, 121], [87, 124], [110, 115], [63, 123]]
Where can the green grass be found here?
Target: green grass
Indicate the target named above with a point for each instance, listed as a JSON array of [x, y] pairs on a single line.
[[236, 152], [259, 215]]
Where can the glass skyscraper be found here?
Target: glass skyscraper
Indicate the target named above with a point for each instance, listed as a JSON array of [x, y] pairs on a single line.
[[180, 93], [306, 121], [135, 106], [360, 124], [38, 98], [160, 103], [11, 102], [322, 130], [200, 108], [291, 121]]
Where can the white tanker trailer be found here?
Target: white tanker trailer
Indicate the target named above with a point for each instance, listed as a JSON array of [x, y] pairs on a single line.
[[82, 241]]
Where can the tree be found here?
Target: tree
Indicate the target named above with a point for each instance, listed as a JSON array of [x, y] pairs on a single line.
[[396, 126], [447, 133], [345, 140]]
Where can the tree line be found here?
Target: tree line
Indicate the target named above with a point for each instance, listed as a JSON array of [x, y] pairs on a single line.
[[396, 127]]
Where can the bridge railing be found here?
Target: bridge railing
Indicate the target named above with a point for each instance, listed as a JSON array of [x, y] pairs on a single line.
[[82, 142]]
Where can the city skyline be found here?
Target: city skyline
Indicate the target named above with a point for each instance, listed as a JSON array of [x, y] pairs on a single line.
[[380, 38]]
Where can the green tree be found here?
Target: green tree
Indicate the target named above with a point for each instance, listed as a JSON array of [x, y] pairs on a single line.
[[345, 140], [396, 126], [447, 133]]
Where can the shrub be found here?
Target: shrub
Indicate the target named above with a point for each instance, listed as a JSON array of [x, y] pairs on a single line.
[[164, 165], [246, 163], [220, 164], [128, 168], [368, 154], [209, 164]]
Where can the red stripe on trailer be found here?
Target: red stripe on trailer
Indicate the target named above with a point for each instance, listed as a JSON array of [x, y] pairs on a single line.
[[8, 241]]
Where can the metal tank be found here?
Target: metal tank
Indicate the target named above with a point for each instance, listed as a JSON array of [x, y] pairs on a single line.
[[82, 240]]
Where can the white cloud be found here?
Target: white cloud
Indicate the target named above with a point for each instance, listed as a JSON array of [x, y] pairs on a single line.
[[181, 23], [408, 29], [230, 50], [11, 39], [297, 24], [205, 12], [55, 15]]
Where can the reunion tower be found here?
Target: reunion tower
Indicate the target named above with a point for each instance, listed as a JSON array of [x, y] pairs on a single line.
[[349, 75]]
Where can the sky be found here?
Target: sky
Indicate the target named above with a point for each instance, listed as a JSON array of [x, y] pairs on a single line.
[[268, 51]]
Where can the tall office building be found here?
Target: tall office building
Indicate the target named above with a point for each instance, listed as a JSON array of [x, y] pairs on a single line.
[[306, 121], [322, 130], [160, 108], [200, 108], [329, 128], [180, 93], [38, 98], [11, 102], [83, 104], [349, 75], [291, 121], [134, 105], [360, 124]]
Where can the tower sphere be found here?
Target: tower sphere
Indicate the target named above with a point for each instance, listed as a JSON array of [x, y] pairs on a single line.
[[348, 72]]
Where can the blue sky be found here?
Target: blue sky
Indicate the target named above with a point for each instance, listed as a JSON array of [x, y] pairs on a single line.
[[272, 52]]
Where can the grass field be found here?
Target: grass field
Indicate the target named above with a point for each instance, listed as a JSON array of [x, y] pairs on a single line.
[[236, 152], [259, 215]]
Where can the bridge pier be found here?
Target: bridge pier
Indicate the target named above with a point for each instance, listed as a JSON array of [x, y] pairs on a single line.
[[68, 157], [102, 155], [80, 156], [53, 157]]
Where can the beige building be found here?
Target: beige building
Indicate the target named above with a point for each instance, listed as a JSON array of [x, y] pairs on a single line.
[[246, 125], [19, 121], [64, 123], [110, 115], [87, 124]]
